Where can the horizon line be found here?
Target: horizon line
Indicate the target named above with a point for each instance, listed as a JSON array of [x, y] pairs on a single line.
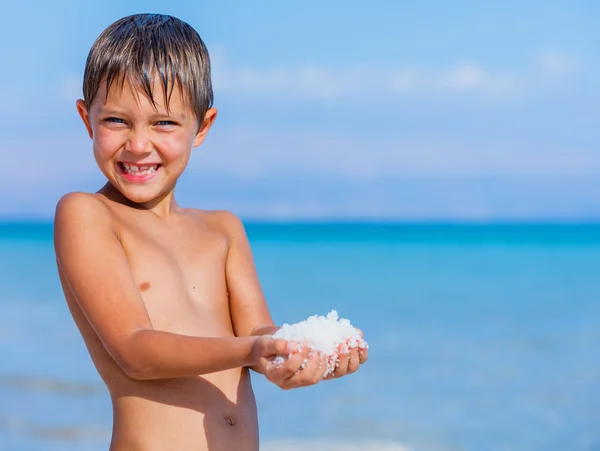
[[391, 221]]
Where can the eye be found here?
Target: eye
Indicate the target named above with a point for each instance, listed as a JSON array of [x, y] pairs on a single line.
[[165, 123], [114, 120]]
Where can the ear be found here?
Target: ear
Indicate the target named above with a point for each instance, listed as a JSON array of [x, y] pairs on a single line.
[[209, 119], [83, 112]]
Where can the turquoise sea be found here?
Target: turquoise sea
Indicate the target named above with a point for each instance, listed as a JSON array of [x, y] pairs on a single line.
[[482, 338]]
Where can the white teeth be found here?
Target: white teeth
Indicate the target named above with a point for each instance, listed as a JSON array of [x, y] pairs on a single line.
[[139, 170]]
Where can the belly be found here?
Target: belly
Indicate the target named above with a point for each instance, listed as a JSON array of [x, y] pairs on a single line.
[[214, 412], [211, 412]]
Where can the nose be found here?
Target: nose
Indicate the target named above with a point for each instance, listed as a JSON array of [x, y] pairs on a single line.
[[138, 142]]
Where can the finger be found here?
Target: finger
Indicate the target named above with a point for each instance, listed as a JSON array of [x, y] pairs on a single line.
[[353, 361], [292, 364], [300, 371], [363, 355], [277, 346], [331, 374], [322, 367], [342, 366], [282, 366], [302, 376], [272, 347], [307, 365], [310, 375], [314, 371], [278, 352]]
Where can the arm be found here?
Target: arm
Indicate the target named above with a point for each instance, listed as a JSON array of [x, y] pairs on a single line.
[[96, 269], [250, 314], [249, 311]]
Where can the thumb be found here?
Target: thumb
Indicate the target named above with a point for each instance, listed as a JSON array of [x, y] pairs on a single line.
[[277, 346]]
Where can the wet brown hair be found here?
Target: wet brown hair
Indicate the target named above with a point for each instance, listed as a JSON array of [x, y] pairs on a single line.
[[141, 47]]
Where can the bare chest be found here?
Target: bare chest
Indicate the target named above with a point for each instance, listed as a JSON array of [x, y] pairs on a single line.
[[181, 277]]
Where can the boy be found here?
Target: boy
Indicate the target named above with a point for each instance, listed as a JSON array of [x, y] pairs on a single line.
[[166, 298]]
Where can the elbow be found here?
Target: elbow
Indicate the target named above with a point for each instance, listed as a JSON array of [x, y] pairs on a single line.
[[136, 370], [132, 362]]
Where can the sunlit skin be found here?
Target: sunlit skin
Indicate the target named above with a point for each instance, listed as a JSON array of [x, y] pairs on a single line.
[[128, 128], [166, 298]]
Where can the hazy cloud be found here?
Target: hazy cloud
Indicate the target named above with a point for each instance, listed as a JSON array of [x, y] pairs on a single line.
[[557, 64], [316, 82], [251, 152]]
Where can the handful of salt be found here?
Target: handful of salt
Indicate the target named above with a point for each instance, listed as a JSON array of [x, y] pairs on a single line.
[[328, 335]]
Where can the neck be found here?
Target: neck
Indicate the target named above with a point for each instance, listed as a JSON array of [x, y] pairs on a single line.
[[161, 206]]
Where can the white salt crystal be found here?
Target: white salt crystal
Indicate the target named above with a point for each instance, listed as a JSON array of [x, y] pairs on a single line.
[[327, 335]]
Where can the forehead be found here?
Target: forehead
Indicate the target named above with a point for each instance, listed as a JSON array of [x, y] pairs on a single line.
[[125, 93]]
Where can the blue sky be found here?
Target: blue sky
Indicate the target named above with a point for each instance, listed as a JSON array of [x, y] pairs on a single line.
[[387, 110]]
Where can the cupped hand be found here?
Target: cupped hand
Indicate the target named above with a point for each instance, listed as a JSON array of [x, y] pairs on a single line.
[[302, 369], [296, 366], [350, 362], [265, 349]]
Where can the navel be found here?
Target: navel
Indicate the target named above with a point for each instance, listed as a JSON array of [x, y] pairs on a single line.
[[230, 420], [144, 286]]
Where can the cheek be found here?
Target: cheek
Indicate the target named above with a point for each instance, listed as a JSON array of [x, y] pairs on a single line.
[[176, 147], [106, 144]]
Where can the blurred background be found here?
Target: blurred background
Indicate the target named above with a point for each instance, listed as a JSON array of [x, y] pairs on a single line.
[[427, 169]]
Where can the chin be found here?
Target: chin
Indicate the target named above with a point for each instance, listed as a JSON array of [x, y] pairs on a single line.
[[140, 198], [139, 194]]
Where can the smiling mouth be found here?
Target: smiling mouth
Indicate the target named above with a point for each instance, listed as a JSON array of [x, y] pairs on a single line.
[[139, 170]]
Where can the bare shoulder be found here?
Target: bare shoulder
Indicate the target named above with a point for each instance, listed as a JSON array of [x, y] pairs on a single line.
[[78, 203], [223, 221], [77, 210]]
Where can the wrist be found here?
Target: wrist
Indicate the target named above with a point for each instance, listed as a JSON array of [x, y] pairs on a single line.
[[264, 330], [250, 359]]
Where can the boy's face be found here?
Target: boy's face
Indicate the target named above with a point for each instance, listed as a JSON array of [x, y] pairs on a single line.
[[142, 149]]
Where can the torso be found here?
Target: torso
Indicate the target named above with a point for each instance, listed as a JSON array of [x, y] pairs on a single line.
[[180, 269]]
